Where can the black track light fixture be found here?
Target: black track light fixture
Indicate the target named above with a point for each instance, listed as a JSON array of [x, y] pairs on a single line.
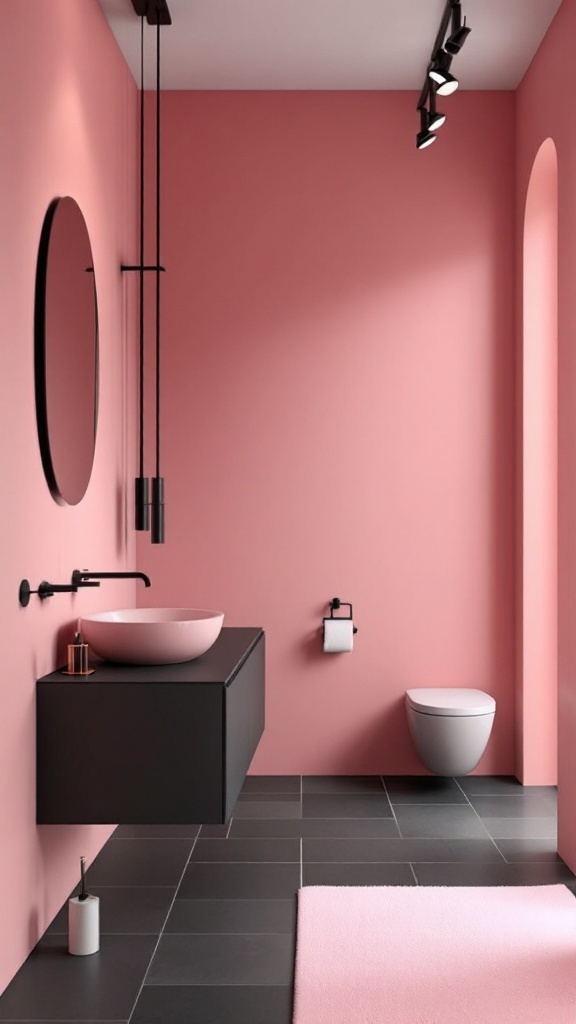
[[439, 72], [424, 137], [459, 31], [439, 80]]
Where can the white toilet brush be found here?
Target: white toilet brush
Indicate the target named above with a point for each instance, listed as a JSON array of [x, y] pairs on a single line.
[[83, 920]]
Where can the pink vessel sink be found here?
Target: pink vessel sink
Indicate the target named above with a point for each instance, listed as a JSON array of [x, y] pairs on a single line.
[[152, 636]]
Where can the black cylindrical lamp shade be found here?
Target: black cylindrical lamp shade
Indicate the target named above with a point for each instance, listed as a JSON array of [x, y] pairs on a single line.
[[141, 503], [424, 137], [435, 117], [439, 72], [157, 528], [459, 31]]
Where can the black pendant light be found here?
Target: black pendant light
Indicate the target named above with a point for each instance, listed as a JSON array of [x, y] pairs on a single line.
[[156, 13], [141, 493]]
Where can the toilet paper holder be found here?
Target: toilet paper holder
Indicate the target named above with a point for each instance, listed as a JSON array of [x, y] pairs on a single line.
[[335, 604]]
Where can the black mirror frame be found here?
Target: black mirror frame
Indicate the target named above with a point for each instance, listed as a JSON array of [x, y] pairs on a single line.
[[40, 356]]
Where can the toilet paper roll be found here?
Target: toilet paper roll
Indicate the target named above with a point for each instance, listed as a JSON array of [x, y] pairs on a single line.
[[338, 635], [83, 925]]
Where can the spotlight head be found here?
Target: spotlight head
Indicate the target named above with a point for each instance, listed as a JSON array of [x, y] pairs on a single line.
[[459, 31], [456, 42], [448, 86], [435, 117], [437, 75], [436, 120], [439, 72], [424, 137]]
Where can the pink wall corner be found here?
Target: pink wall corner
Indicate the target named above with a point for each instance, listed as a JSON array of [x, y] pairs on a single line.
[[339, 356], [538, 397], [544, 111], [69, 127]]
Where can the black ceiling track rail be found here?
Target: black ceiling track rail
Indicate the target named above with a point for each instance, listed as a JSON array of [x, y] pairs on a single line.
[[155, 11], [438, 44]]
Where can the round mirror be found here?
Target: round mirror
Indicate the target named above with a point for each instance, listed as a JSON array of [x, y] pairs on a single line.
[[66, 351]]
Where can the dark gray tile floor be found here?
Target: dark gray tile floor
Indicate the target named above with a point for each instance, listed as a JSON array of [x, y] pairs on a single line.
[[198, 922]]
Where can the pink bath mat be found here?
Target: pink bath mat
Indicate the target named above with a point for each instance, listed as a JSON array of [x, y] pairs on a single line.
[[435, 955]]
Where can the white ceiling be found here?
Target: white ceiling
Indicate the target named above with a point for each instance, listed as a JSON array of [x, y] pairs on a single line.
[[329, 44]]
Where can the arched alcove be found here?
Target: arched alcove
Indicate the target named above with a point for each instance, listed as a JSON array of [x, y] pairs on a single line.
[[538, 695]]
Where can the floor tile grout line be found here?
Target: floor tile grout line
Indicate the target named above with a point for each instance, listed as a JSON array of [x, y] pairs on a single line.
[[151, 839], [428, 803], [392, 809], [313, 817], [146, 972], [107, 885], [227, 899], [301, 862], [104, 932], [334, 838], [492, 839], [288, 931], [329, 839], [382, 863], [509, 796]]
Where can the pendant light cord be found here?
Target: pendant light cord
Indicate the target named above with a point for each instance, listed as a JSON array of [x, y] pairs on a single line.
[[158, 247], [158, 533], [141, 262]]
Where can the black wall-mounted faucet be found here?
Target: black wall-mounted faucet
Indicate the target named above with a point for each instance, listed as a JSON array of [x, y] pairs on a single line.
[[80, 577], [45, 589]]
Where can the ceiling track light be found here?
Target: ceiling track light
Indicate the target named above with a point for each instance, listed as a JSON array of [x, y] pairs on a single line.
[[439, 80]]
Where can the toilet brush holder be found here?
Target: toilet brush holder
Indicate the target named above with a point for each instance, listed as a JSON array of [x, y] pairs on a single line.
[[83, 921], [83, 925]]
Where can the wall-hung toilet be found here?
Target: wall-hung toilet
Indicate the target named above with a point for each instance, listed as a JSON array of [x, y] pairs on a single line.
[[450, 727]]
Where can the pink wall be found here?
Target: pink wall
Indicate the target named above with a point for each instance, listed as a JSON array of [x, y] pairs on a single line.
[[544, 109], [67, 126], [339, 359]]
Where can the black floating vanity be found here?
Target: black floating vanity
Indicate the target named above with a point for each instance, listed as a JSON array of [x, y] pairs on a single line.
[[152, 744]]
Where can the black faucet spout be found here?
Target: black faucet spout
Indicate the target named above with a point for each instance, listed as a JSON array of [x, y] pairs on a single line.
[[80, 576]]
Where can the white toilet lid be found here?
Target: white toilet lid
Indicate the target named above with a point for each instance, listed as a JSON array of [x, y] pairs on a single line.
[[450, 700]]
